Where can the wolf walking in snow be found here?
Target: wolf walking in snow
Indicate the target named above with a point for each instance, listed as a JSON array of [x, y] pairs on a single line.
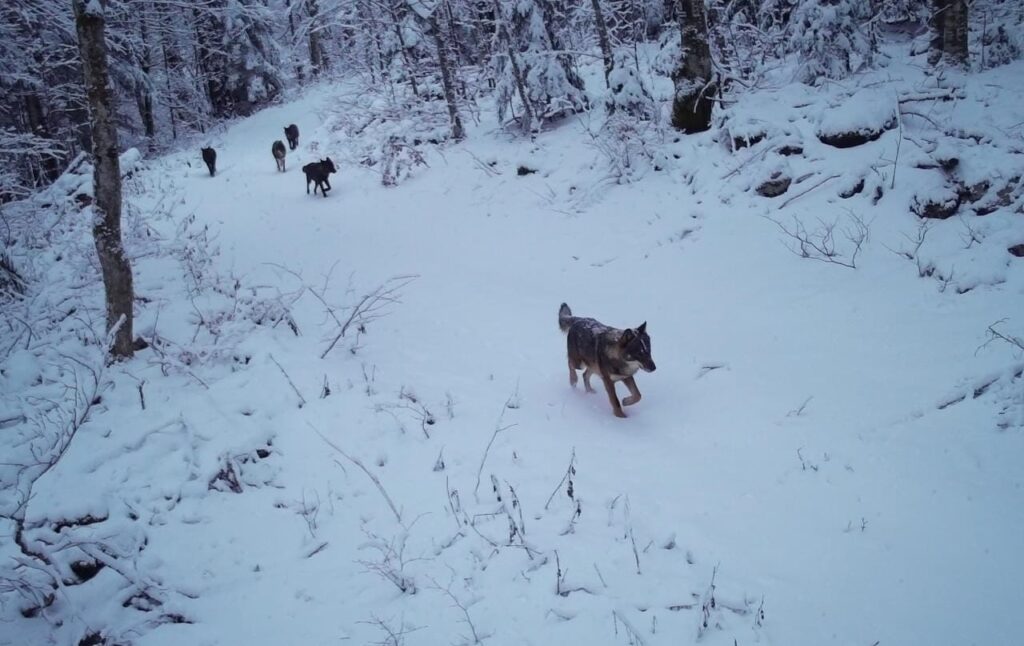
[[279, 152], [612, 354], [292, 134], [319, 173], [210, 157]]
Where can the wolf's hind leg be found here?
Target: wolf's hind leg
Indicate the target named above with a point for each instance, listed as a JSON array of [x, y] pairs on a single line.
[[587, 373]]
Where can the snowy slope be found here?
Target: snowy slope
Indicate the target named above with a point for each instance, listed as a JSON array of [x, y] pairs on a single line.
[[811, 463]]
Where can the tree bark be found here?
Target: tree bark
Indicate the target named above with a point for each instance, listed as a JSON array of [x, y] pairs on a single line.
[[503, 37], [168, 57], [117, 273], [447, 78], [299, 74], [602, 38], [316, 51], [144, 88], [695, 91], [517, 74], [410, 64], [949, 32]]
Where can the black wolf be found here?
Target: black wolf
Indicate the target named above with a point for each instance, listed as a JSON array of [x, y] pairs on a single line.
[[279, 152], [612, 354], [319, 173], [210, 157], [292, 134]]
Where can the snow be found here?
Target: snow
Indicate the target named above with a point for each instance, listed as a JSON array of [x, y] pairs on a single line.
[[867, 111], [813, 445]]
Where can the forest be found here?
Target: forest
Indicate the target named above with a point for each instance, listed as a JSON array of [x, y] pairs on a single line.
[[288, 290]]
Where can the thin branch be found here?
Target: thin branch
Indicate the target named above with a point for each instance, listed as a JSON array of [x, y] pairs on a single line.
[[497, 429], [370, 306], [302, 400], [568, 473], [362, 466], [806, 191]]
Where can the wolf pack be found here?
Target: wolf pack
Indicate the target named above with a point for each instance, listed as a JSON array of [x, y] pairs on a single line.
[[317, 173], [611, 354]]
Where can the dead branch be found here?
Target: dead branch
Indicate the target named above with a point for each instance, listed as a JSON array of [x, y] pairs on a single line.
[[466, 618], [947, 95], [569, 472], [996, 335], [302, 400], [371, 307], [369, 474], [806, 191], [632, 634], [820, 244], [498, 428]]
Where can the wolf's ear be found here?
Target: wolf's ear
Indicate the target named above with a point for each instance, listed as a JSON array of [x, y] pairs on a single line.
[[627, 336], [642, 328]]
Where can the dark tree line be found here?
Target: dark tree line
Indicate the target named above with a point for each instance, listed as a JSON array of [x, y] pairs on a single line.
[[177, 68]]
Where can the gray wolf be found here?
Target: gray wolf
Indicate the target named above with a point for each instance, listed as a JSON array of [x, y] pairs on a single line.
[[279, 152], [610, 353], [210, 157], [292, 134], [319, 173]]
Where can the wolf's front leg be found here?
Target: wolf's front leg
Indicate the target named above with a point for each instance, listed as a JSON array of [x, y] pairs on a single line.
[[634, 392], [613, 399]]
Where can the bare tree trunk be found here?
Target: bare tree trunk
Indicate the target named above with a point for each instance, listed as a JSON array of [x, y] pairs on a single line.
[[955, 37], [410, 64], [144, 89], [517, 74], [117, 273], [695, 91], [503, 37], [316, 51], [447, 78], [602, 38], [949, 32], [168, 58]]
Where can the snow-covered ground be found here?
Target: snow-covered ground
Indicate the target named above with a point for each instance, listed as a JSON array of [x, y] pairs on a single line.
[[825, 455]]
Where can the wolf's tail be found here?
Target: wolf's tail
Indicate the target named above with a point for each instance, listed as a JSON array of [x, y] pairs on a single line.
[[564, 317]]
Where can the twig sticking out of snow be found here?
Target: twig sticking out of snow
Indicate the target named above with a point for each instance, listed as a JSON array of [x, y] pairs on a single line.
[[467, 619], [369, 474], [498, 428], [994, 334], [569, 473], [370, 307], [820, 244], [302, 400], [634, 636]]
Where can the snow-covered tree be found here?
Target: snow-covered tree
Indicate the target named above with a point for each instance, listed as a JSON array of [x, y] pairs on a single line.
[[626, 90], [546, 79], [898, 10], [998, 26], [833, 38], [444, 63], [238, 56]]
